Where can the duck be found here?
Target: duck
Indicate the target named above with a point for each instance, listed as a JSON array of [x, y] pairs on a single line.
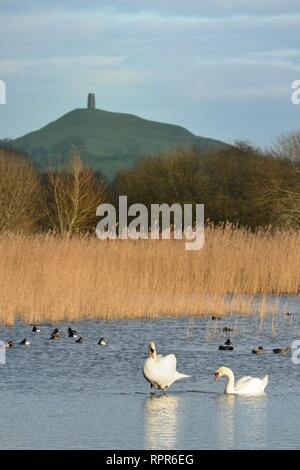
[[282, 350], [160, 371], [35, 329], [258, 350], [288, 314], [244, 386], [25, 342], [225, 347], [79, 340], [103, 342], [72, 333], [55, 334], [226, 329], [215, 317], [9, 344]]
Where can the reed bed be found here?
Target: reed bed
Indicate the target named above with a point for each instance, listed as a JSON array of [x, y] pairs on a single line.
[[49, 278]]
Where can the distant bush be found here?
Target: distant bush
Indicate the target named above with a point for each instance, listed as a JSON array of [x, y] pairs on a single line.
[[20, 193], [238, 184]]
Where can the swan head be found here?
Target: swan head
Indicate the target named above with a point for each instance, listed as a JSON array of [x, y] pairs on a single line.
[[221, 371], [151, 349]]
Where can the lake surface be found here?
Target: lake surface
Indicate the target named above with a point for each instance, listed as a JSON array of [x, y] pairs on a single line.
[[59, 394]]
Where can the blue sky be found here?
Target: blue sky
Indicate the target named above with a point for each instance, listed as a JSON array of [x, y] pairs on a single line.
[[221, 68]]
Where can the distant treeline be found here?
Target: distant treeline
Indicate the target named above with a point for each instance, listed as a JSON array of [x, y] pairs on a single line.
[[241, 184]]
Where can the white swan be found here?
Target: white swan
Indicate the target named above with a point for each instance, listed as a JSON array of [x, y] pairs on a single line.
[[244, 386], [160, 371]]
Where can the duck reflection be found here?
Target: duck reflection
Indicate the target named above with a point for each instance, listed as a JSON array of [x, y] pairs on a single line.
[[161, 413]]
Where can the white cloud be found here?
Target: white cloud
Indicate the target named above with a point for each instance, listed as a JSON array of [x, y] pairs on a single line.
[[12, 66], [102, 18], [268, 61], [211, 7]]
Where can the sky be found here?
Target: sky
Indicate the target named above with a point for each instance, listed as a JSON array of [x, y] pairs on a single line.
[[221, 68]]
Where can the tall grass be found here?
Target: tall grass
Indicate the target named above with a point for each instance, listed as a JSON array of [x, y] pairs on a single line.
[[48, 278]]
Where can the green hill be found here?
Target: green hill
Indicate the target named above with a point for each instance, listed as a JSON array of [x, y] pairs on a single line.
[[108, 141]]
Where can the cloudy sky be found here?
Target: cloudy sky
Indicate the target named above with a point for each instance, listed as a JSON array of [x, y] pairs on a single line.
[[221, 68]]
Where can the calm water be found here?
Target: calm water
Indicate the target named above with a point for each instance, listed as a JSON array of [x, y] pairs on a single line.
[[58, 394]]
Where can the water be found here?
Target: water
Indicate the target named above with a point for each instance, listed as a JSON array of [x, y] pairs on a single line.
[[58, 394]]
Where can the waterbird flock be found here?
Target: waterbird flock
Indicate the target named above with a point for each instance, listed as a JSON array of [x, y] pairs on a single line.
[[55, 335], [160, 371]]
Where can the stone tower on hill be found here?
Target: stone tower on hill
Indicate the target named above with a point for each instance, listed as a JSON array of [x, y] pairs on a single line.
[[91, 103]]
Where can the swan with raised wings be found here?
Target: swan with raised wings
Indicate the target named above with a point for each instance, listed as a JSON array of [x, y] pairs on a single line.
[[160, 371]]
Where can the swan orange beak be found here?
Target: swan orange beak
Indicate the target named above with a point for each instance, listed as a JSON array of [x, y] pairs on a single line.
[[216, 375]]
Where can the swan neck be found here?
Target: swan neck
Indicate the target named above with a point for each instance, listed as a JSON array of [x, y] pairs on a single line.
[[230, 382]]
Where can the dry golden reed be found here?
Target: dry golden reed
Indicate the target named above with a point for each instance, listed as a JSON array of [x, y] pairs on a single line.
[[49, 278]]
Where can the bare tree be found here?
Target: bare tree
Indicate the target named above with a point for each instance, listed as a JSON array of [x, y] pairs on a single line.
[[72, 195], [20, 193], [283, 199], [288, 146]]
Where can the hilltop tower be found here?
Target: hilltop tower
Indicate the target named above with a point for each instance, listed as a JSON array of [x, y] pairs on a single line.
[[91, 102]]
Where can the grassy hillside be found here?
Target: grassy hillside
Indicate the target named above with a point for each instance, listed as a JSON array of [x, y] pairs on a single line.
[[108, 141]]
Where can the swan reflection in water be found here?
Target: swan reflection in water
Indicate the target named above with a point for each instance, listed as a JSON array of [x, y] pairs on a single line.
[[225, 421], [161, 412], [240, 419]]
